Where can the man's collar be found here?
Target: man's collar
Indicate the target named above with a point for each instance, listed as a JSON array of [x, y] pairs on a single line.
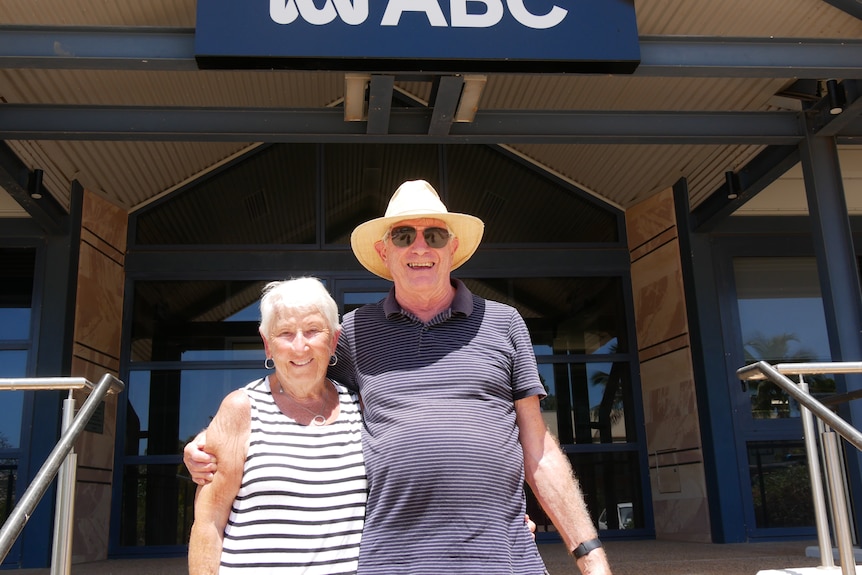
[[462, 304]]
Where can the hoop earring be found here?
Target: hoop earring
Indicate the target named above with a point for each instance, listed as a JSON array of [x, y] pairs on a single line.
[[269, 363], [333, 359]]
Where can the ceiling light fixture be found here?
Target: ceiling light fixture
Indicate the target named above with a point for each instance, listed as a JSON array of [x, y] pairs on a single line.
[[732, 185], [36, 184], [837, 98]]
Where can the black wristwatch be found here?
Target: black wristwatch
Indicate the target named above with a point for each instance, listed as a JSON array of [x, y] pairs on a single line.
[[585, 547]]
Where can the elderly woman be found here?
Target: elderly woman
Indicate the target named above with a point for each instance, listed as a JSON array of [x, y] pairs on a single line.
[[290, 493]]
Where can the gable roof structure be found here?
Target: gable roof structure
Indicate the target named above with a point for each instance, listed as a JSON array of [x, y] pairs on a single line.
[[110, 96]]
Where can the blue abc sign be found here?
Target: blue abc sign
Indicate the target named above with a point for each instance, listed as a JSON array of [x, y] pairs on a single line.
[[526, 36]]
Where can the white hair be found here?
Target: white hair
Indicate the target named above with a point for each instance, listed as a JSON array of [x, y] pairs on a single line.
[[305, 294]]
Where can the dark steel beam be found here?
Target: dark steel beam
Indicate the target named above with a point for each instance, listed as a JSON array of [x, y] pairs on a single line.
[[137, 48], [774, 161], [380, 103], [45, 210], [47, 122], [446, 93], [99, 48], [720, 57], [852, 7], [759, 173]]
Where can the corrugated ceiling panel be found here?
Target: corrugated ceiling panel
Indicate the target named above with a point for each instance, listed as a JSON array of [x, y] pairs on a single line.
[[132, 173], [100, 13], [787, 18], [157, 88]]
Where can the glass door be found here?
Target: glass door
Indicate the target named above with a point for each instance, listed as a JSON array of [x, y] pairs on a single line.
[[780, 318]]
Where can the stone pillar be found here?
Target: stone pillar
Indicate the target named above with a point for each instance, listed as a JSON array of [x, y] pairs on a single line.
[[96, 351], [677, 475]]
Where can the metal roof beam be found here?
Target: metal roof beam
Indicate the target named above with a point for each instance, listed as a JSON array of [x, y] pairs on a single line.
[[720, 57], [39, 204], [406, 125], [98, 48], [852, 7], [143, 48], [446, 93], [380, 103], [772, 163]]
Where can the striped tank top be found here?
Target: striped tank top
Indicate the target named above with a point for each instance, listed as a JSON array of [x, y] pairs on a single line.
[[301, 506]]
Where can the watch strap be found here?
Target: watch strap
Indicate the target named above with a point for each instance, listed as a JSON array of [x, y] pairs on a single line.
[[585, 547]]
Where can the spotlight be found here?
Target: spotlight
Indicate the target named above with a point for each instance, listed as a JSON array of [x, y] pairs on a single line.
[[36, 184], [837, 98], [732, 185]]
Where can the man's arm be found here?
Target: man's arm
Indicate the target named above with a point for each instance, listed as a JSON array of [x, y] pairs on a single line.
[[228, 436], [549, 474], [200, 462]]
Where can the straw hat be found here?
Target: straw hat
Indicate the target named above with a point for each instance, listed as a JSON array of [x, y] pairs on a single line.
[[415, 199]]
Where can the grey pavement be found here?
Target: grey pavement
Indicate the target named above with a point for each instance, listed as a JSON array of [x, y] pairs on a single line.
[[626, 558]]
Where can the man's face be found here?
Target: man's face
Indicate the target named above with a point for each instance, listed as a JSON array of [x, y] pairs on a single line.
[[418, 266]]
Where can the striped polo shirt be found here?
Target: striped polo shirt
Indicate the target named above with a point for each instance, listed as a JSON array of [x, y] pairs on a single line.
[[445, 468], [301, 505]]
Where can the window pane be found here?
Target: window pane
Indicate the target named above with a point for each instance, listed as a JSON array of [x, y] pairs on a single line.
[[8, 476], [608, 481], [782, 321], [15, 323], [588, 403], [16, 277], [13, 363], [197, 321], [167, 408], [780, 484], [157, 506]]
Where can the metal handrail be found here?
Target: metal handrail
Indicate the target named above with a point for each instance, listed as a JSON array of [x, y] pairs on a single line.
[[61, 459], [811, 406]]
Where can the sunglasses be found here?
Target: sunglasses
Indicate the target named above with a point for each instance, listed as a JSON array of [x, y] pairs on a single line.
[[404, 236]]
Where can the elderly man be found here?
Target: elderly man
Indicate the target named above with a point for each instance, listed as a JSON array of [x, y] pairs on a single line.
[[450, 394]]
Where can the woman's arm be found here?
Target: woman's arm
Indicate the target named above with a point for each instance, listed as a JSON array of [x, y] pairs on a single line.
[[227, 439]]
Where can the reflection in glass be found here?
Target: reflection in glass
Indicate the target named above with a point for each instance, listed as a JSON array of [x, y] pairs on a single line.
[[197, 320], [572, 320], [595, 398], [609, 481], [13, 363], [8, 476], [167, 408], [780, 484], [782, 321], [157, 506], [14, 323]]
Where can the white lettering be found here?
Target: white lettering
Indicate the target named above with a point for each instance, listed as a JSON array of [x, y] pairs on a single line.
[[525, 17], [461, 19], [355, 12], [282, 12], [285, 12], [395, 7]]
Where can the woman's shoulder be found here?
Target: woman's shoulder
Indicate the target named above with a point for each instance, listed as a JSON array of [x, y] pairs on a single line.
[[344, 390]]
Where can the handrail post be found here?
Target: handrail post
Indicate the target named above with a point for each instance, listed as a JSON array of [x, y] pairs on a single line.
[[809, 434], [61, 550], [839, 503]]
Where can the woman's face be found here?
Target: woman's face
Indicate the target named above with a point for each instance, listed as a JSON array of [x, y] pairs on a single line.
[[300, 345]]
